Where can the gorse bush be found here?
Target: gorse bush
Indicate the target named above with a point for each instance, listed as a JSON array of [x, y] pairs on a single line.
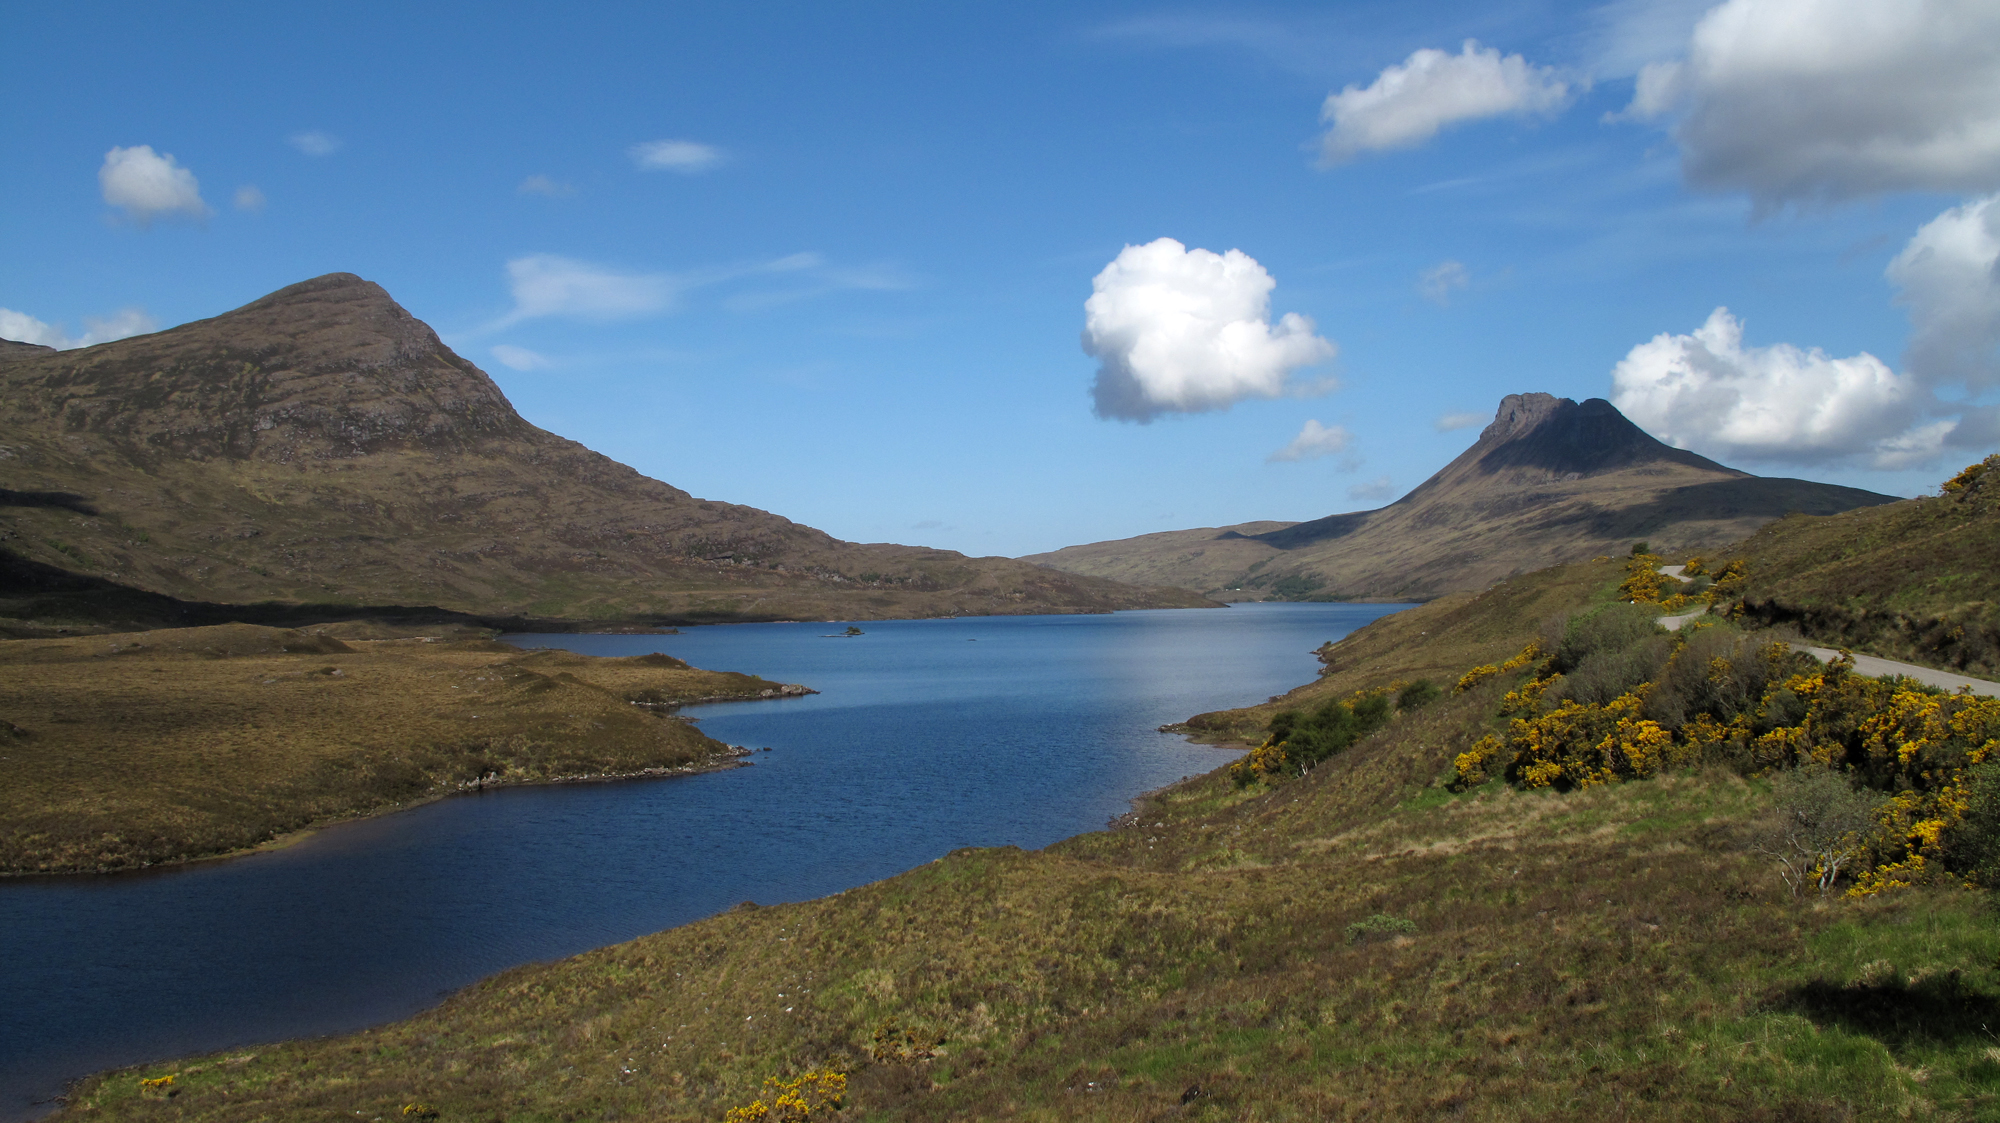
[[1296, 741], [1711, 694]]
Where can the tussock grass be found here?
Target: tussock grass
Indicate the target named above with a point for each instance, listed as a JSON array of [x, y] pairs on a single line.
[[139, 748]]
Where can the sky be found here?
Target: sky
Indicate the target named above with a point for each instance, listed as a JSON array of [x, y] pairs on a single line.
[[1003, 278]]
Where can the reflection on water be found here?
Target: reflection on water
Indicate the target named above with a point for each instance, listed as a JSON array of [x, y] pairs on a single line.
[[926, 736]]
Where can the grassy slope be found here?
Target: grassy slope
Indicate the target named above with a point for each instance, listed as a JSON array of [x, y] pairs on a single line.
[[133, 749], [1608, 954], [1915, 580]]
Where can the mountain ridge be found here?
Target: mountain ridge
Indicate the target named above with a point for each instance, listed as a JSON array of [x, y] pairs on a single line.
[[321, 445], [1550, 480]]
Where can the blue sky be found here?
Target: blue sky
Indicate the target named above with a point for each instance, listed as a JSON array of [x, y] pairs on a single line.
[[834, 261]]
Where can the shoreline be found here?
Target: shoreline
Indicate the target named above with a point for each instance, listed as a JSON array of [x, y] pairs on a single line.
[[718, 762]]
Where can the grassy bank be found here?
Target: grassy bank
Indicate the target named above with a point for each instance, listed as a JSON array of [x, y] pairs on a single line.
[[134, 749], [1360, 942]]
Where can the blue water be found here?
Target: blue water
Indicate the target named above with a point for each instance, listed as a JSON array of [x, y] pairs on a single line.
[[927, 735]]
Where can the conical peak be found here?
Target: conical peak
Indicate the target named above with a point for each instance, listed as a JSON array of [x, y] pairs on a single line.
[[1568, 439]]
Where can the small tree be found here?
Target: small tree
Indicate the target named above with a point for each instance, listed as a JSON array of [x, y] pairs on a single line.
[[1817, 825]]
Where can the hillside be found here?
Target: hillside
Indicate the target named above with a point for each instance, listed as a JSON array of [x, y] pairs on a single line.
[[321, 446], [1549, 481], [1363, 941], [1916, 580]]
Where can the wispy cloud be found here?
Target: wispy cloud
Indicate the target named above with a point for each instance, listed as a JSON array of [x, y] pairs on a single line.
[[314, 142], [1454, 421], [1437, 283], [1314, 441], [684, 156], [546, 285], [547, 188], [518, 358], [248, 198], [1374, 490]]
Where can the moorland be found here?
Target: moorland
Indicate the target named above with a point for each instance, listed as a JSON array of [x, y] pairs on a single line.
[[135, 749], [1514, 855]]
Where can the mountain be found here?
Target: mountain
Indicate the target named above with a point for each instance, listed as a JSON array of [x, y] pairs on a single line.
[[1551, 480], [323, 447]]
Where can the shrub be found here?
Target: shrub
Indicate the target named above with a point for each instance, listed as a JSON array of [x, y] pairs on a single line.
[[1418, 694], [1644, 583], [1975, 847], [1816, 827], [813, 1094], [1295, 742]]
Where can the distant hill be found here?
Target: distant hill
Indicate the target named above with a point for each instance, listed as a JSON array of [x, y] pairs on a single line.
[[322, 446], [1549, 481]]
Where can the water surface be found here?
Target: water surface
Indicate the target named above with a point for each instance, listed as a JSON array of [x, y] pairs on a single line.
[[926, 736]]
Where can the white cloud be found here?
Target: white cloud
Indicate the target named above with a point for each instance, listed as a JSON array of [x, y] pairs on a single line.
[[248, 198], [1949, 277], [1437, 283], [1709, 392], [1407, 104], [23, 328], [1378, 488], [519, 358], [1176, 330], [1453, 421], [547, 285], [544, 186], [122, 324], [684, 156], [313, 142], [1803, 101], [1314, 441], [147, 185]]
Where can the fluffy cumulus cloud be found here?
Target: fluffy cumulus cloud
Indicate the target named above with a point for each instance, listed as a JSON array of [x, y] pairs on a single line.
[[147, 185], [684, 156], [1802, 101], [1949, 277], [1407, 104], [23, 328], [1176, 330], [1314, 441], [1711, 392]]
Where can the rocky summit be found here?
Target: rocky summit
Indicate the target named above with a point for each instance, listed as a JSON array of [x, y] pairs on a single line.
[[1551, 480], [321, 448]]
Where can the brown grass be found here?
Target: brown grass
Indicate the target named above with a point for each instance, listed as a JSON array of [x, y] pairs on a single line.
[[128, 750]]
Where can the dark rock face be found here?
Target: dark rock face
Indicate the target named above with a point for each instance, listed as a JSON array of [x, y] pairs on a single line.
[[1565, 438]]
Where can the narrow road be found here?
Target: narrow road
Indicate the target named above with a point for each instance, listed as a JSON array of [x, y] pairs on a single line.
[[1872, 666]]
